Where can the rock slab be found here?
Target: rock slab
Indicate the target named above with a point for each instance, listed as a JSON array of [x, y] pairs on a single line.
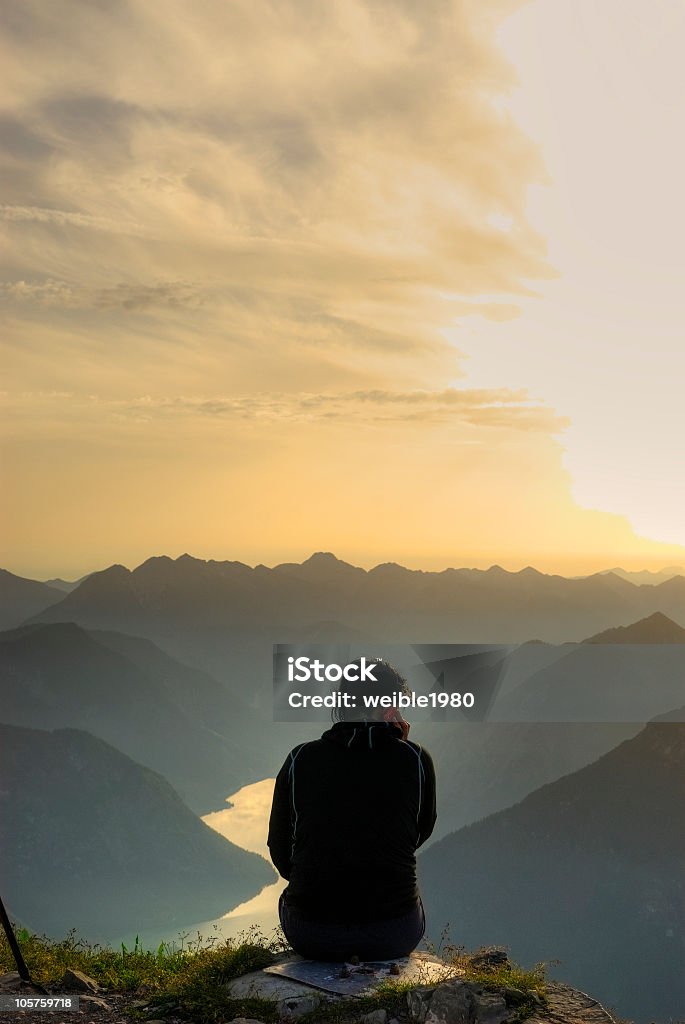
[[453, 1001]]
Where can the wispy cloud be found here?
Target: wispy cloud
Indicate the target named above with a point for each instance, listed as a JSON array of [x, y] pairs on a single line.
[[497, 407], [67, 218], [296, 182], [122, 296]]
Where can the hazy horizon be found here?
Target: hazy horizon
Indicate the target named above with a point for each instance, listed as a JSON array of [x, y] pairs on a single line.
[[483, 564]]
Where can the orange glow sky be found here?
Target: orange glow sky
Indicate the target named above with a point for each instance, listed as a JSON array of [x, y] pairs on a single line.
[[398, 280]]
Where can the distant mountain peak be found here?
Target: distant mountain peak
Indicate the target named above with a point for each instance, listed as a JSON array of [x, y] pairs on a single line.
[[161, 569], [391, 567], [153, 562], [59, 584], [654, 629], [323, 565], [116, 570], [324, 558], [66, 586], [650, 577]]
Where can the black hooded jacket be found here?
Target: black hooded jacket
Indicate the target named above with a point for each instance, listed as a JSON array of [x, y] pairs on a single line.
[[349, 811]]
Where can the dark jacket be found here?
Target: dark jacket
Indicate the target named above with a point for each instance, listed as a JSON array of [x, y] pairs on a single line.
[[349, 811]]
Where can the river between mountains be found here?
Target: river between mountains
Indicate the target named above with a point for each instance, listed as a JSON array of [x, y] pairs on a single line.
[[244, 823]]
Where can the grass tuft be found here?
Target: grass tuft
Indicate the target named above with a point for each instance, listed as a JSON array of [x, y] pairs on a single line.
[[525, 989]]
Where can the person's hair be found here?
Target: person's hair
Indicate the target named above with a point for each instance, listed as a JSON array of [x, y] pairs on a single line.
[[388, 682]]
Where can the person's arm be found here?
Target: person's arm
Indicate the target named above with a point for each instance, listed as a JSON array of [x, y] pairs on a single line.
[[427, 811], [279, 839]]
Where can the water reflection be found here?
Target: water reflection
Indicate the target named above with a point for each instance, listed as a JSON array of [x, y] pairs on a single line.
[[246, 824]]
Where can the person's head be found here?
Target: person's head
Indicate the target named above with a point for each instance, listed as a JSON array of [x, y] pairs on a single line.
[[388, 683]]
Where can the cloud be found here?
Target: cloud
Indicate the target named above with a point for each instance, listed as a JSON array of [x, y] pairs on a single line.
[[122, 296], [65, 218], [307, 182], [46, 293], [496, 407], [499, 407], [172, 294]]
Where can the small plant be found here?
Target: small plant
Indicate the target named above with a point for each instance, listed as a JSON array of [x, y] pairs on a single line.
[[526, 988]]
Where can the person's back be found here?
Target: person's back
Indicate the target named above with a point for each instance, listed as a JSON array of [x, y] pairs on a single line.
[[349, 811]]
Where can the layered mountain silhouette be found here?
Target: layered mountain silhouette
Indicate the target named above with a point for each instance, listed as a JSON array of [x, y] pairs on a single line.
[[589, 869], [168, 716], [654, 629], [223, 616], [647, 575], [93, 840], [490, 605], [559, 707], [20, 598], [483, 767], [65, 585], [626, 674]]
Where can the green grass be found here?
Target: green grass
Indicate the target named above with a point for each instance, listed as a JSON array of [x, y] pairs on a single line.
[[188, 976], [527, 988], [199, 993], [185, 962], [507, 975]]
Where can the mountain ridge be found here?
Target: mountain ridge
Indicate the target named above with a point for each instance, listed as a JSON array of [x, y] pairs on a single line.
[[162, 592], [21, 598], [159, 712], [567, 861], [656, 628], [89, 834]]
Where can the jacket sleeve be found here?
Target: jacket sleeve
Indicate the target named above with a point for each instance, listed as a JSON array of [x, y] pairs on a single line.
[[427, 811], [279, 839]]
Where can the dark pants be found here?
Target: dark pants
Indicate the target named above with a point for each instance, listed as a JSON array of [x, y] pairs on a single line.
[[377, 940]]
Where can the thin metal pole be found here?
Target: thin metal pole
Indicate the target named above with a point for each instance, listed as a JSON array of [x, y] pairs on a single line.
[[14, 945]]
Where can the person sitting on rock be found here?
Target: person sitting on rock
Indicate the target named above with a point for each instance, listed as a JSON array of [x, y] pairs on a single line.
[[349, 811]]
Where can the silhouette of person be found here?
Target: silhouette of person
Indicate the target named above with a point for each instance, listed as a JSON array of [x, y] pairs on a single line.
[[349, 811]]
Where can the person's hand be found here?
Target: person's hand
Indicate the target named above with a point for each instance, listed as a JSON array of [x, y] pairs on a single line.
[[394, 716]]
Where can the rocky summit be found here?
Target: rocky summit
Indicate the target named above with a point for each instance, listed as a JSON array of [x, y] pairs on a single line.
[[453, 1000]]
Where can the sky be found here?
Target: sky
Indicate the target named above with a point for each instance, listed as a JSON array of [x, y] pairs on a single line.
[[387, 278]]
